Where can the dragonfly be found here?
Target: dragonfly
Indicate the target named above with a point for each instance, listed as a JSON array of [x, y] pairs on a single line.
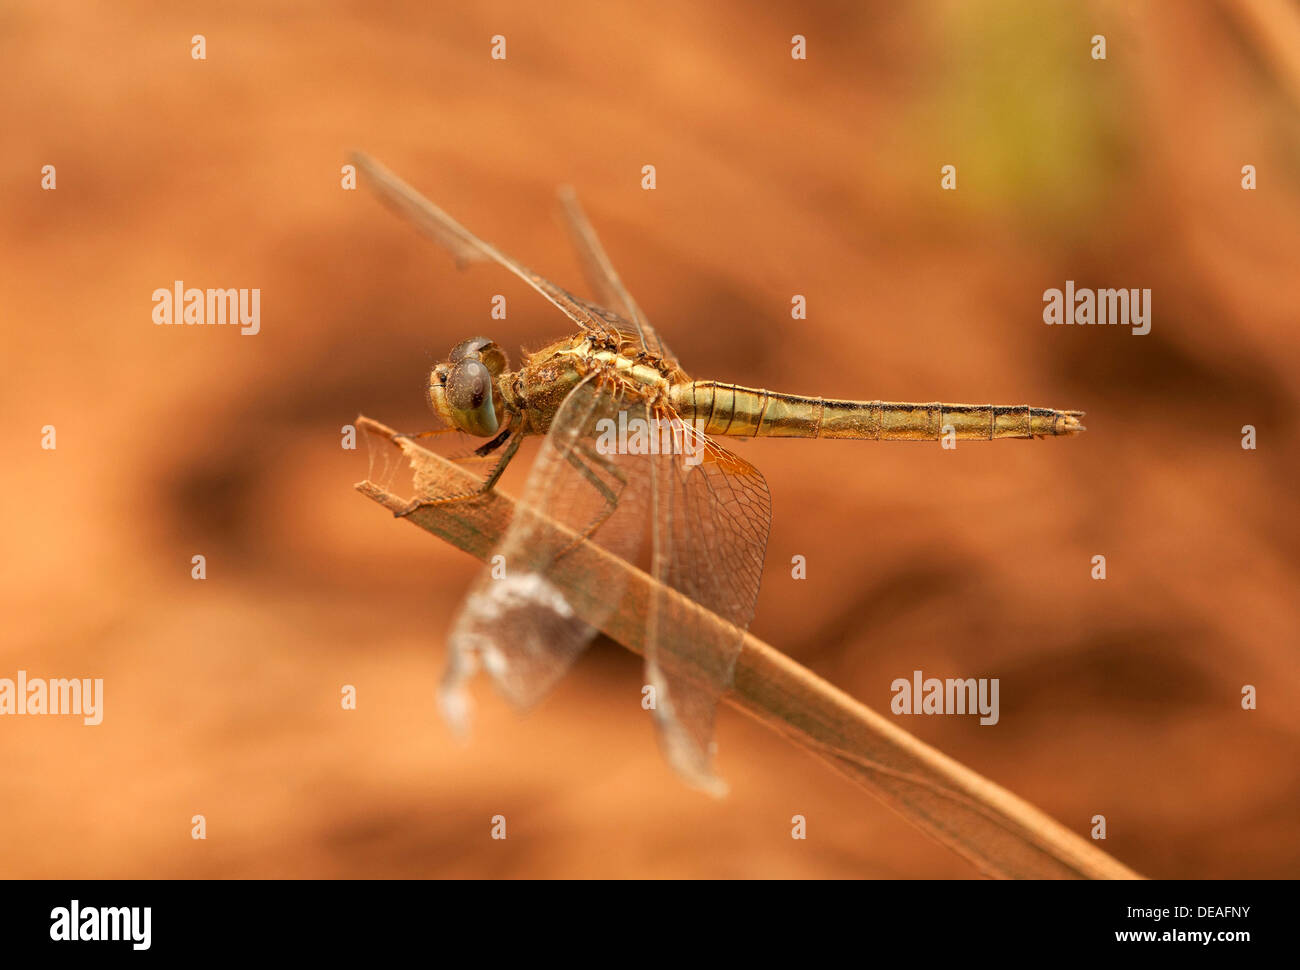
[[630, 461]]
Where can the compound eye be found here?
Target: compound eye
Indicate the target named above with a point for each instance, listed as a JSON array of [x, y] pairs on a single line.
[[469, 348], [468, 385], [480, 348]]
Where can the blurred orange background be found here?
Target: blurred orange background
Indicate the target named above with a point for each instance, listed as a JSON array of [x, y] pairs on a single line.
[[775, 177]]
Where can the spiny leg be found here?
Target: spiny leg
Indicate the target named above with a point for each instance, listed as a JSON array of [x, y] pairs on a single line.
[[595, 457], [480, 452], [434, 432], [606, 493], [483, 452], [512, 445]]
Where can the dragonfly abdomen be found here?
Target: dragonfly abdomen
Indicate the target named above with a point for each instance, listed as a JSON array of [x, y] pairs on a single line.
[[728, 409]]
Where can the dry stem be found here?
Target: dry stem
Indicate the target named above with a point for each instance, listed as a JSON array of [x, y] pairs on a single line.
[[1002, 835]]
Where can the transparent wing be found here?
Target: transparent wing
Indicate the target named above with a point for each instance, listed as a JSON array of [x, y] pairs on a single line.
[[516, 623], [467, 247], [711, 513], [602, 276]]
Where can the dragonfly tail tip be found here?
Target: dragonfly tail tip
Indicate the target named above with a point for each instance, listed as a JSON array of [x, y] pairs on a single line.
[[1069, 423]]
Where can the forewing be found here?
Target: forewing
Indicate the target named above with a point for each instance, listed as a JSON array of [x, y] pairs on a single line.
[[602, 276], [466, 246], [516, 622], [712, 513]]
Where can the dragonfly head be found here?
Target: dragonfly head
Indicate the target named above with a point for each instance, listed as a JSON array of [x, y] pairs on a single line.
[[462, 390]]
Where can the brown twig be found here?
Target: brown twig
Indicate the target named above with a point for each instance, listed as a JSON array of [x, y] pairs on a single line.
[[1001, 834]]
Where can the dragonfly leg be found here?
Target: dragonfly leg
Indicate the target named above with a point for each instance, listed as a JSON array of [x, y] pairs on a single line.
[[422, 434], [512, 446], [606, 493], [483, 452], [603, 461]]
